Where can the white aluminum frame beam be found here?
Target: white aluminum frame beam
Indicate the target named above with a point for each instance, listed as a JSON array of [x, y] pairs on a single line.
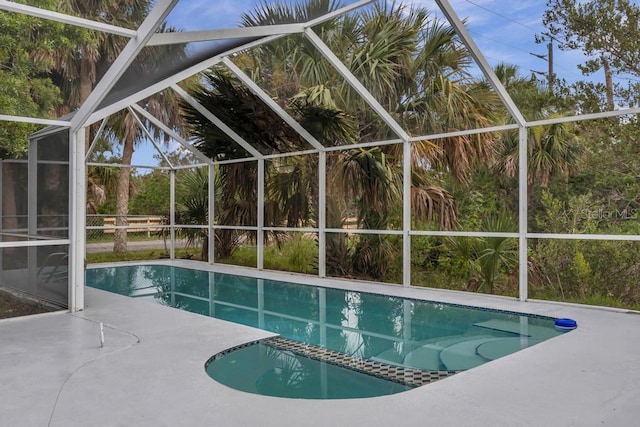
[[153, 89], [293, 123], [523, 213], [291, 154], [217, 122], [93, 144], [560, 236], [29, 243], [406, 213], [163, 39], [160, 39], [173, 134], [260, 215], [169, 81], [32, 209], [211, 188], [66, 19], [150, 24], [322, 214], [172, 214], [513, 109], [334, 14], [581, 117], [465, 132], [481, 61], [77, 219], [150, 137], [132, 166], [364, 145], [34, 120]]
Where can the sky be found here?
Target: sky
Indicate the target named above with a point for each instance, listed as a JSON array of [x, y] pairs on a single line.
[[504, 30]]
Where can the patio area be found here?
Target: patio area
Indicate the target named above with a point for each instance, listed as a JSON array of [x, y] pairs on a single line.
[[151, 370]]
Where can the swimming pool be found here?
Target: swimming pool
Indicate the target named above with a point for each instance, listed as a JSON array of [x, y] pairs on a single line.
[[388, 344]]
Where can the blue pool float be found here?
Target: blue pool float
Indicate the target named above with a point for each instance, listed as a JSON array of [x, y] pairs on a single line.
[[566, 324]]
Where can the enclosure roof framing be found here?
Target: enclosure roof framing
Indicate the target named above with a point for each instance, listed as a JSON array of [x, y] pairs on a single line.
[[216, 121], [173, 134], [163, 39], [160, 39], [486, 69], [93, 111], [355, 84], [150, 137], [150, 24], [272, 104]]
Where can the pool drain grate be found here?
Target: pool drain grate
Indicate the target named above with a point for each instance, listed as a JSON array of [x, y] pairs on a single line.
[[406, 376]]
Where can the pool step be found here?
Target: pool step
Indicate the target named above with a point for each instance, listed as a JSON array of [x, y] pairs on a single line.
[[406, 376], [516, 328], [474, 352], [427, 356], [463, 355]]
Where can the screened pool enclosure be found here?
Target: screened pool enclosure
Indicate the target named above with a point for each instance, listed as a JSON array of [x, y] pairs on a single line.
[[390, 188]]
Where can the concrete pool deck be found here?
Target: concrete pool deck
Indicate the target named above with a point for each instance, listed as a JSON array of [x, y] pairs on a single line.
[[150, 371]]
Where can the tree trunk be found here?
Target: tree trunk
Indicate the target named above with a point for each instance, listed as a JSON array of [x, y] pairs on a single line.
[[608, 84], [86, 86], [122, 198], [204, 253]]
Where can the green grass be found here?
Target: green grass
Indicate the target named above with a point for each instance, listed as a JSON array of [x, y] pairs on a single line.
[[298, 255], [150, 254], [244, 256], [593, 299]]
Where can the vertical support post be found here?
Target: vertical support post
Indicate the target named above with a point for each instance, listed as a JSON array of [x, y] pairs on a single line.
[[172, 213], [260, 207], [322, 213], [523, 213], [1, 215], [77, 213], [406, 214], [32, 215], [32, 188], [211, 216]]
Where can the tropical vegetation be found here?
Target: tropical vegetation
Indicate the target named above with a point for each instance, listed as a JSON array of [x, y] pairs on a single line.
[[582, 177]]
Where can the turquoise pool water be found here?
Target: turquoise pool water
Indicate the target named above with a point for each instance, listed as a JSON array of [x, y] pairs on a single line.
[[374, 342]]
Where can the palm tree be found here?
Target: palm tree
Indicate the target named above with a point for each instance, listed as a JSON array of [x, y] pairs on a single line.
[[100, 181], [412, 64], [235, 105], [192, 208], [383, 48], [552, 149], [488, 260], [125, 128], [78, 71]]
